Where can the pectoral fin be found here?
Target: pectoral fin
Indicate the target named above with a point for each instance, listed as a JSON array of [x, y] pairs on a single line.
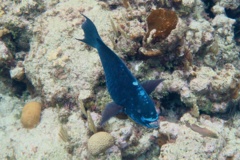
[[111, 109], [150, 85]]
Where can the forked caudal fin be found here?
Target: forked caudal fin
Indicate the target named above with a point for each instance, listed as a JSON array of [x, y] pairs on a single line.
[[91, 36]]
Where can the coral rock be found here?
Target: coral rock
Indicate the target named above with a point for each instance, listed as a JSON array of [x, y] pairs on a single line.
[[3, 31], [163, 21], [17, 73], [100, 142], [5, 55], [31, 114]]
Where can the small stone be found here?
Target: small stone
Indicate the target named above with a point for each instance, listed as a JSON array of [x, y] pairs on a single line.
[[100, 142], [17, 73]]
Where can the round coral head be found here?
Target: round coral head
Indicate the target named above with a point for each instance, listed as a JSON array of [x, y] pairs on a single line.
[[163, 21], [100, 142]]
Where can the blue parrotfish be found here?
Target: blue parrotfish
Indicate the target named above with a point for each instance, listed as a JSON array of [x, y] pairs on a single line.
[[129, 96]]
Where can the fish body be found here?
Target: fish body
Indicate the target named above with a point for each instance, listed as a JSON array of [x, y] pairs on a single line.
[[128, 94]]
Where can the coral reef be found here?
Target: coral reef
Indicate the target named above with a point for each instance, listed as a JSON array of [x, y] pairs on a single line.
[[100, 142], [208, 90], [56, 83], [31, 113], [49, 63], [198, 56], [18, 142], [132, 140], [212, 148]]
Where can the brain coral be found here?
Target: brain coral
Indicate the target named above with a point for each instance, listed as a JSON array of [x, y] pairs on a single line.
[[31, 114], [99, 142]]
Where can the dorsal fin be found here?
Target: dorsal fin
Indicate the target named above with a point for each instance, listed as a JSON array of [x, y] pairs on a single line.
[[150, 85]]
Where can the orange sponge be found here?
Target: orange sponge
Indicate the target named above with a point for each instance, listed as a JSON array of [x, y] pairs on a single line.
[[163, 21], [31, 114]]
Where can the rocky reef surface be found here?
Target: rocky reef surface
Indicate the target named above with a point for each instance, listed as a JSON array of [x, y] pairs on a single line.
[[193, 44]]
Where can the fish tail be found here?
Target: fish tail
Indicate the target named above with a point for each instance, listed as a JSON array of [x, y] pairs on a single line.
[[91, 36]]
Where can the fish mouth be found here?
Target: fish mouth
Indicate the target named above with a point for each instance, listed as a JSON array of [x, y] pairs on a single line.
[[154, 124]]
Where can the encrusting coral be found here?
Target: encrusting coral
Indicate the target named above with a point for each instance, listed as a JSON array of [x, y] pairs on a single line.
[[100, 142], [31, 114], [155, 22]]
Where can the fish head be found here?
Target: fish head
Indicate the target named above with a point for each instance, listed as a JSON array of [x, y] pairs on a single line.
[[147, 118], [150, 122]]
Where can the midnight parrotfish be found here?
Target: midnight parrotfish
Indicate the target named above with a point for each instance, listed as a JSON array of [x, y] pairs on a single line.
[[129, 96]]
